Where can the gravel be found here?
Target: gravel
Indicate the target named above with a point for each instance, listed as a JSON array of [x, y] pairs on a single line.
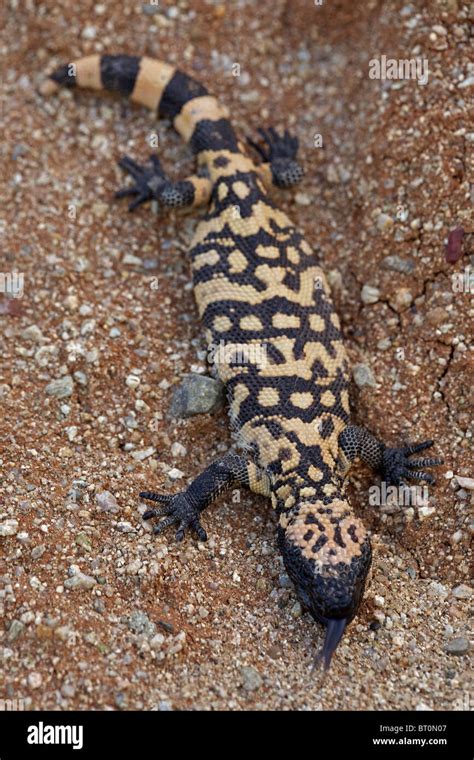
[[379, 195]]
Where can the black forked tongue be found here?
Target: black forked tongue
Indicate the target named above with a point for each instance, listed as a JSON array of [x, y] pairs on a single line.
[[334, 631]]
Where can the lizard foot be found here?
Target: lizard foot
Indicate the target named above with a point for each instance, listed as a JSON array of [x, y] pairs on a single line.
[[396, 465], [149, 180], [176, 510], [280, 152]]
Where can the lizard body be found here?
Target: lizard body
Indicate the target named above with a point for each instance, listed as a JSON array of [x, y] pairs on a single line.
[[277, 345]]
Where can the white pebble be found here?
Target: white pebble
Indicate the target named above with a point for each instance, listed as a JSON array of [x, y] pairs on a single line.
[[132, 381], [175, 473], [34, 680], [178, 450]]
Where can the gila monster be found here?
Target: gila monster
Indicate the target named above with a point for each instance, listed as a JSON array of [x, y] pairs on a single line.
[[266, 305]]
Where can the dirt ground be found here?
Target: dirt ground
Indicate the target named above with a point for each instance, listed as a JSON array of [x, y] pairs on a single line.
[[96, 612]]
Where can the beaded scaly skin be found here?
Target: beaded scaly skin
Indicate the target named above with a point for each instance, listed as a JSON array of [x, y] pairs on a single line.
[[276, 340]]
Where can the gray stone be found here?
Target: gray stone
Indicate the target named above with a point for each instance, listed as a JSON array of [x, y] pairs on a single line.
[[369, 294], [141, 454], [164, 706], [251, 678], [384, 222], [106, 502], [15, 630], [32, 333], [465, 482], [197, 394], [140, 623], [363, 376], [8, 528], [284, 581], [462, 591], [38, 551], [63, 387], [80, 378], [79, 580], [397, 264], [150, 9], [457, 646]]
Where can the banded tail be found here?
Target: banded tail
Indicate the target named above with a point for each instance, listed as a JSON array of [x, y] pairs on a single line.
[[196, 115]]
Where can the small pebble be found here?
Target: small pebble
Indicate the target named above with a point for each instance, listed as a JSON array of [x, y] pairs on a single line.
[[462, 591], [15, 630], [385, 222], [32, 333], [369, 294], [175, 473], [401, 300], [63, 387], [436, 316], [106, 502], [251, 678], [465, 482], [438, 589], [8, 528], [178, 450], [141, 454], [140, 623], [132, 381], [157, 641], [79, 580], [34, 680], [150, 9], [424, 512], [363, 376], [457, 646]]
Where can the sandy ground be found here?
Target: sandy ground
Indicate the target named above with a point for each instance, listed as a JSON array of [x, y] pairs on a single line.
[[96, 612]]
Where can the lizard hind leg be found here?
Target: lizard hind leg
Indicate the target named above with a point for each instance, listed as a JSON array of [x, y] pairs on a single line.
[[184, 509], [150, 182], [279, 166], [393, 463]]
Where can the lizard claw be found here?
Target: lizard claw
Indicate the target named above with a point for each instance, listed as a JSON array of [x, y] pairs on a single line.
[[280, 152], [284, 146], [396, 465], [148, 180], [176, 510]]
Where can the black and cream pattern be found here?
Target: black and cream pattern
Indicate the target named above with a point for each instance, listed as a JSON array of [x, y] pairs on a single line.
[[265, 303]]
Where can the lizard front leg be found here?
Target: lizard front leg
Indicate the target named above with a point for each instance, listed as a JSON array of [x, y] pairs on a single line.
[[280, 166], [151, 183], [184, 509], [393, 463]]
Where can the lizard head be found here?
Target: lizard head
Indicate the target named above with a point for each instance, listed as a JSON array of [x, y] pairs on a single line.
[[327, 554]]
